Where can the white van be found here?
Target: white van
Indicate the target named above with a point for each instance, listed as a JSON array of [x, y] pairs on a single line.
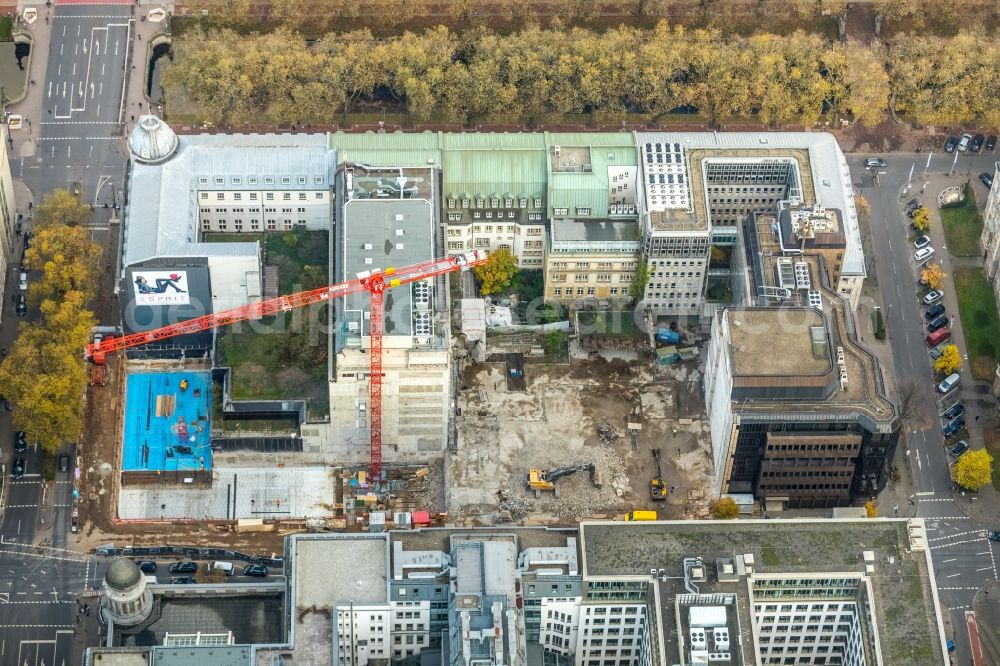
[[22, 281], [225, 567], [950, 382]]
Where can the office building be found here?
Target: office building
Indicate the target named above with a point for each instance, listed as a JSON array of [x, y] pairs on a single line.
[[9, 224], [989, 239]]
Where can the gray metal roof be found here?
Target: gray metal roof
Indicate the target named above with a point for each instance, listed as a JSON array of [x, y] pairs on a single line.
[[152, 141], [161, 218], [596, 230], [830, 173], [381, 234], [122, 574]]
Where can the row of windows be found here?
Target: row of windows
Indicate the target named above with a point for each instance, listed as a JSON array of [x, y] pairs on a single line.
[[825, 607], [268, 180], [268, 196], [601, 265], [804, 486], [254, 225], [223, 211], [508, 202], [812, 447], [613, 291]]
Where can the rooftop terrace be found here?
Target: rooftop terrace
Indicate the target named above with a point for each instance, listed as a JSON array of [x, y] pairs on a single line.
[[758, 333]]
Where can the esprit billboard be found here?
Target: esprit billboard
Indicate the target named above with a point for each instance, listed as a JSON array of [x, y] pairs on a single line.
[[160, 287]]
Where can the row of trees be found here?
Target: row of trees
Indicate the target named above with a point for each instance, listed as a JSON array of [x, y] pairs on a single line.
[[44, 374], [439, 74], [732, 15], [531, 73]]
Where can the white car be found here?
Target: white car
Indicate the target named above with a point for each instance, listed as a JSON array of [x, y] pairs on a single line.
[[933, 297], [22, 281], [923, 254], [963, 145]]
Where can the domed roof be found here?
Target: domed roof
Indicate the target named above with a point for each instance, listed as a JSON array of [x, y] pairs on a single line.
[[152, 141], [122, 574]]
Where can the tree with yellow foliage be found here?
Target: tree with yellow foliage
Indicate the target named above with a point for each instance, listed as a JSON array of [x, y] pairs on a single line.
[[932, 275], [949, 361], [61, 207], [973, 470], [724, 508], [922, 219], [497, 273], [870, 509], [68, 260]]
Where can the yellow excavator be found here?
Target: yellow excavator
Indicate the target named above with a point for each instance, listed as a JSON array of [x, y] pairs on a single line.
[[658, 489], [545, 480]]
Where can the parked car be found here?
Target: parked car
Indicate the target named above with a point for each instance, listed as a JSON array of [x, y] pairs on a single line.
[[993, 535], [936, 352], [963, 145], [986, 179], [935, 324], [146, 566], [22, 305], [954, 411], [991, 142], [977, 143], [22, 281], [225, 567], [183, 580], [951, 144], [953, 426], [912, 214], [64, 463], [934, 312], [875, 163], [17, 471], [21, 441], [912, 206], [258, 570], [960, 448], [922, 242], [184, 567], [923, 254], [950, 382], [933, 296]]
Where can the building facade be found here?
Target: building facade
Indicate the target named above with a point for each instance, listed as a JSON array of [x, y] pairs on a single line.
[[989, 239], [8, 214]]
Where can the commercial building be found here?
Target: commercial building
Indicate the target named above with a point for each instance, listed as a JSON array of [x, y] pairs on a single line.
[[700, 186], [811, 426], [816, 592]]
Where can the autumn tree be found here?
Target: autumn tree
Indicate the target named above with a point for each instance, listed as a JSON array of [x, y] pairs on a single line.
[[870, 509], [949, 361], [638, 286], [497, 273], [69, 262], [932, 274], [724, 508], [922, 219], [61, 207], [973, 470]]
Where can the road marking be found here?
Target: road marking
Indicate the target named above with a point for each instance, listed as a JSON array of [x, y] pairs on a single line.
[[954, 543], [984, 569], [959, 589], [924, 493], [947, 561], [973, 628], [953, 575]]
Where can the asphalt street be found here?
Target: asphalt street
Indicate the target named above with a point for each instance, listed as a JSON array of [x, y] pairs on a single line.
[[964, 559], [79, 147], [80, 140]]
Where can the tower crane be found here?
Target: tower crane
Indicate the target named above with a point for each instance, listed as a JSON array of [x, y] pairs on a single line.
[[375, 282]]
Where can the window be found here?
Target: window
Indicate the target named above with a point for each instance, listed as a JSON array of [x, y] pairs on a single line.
[[203, 180], [302, 196], [269, 196], [590, 291], [538, 202], [253, 196], [219, 196], [286, 180], [287, 196], [237, 196], [269, 180], [465, 203], [302, 210], [451, 203], [319, 196], [319, 180], [480, 202], [494, 202], [222, 225], [583, 211], [510, 214], [508, 203], [219, 180], [557, 291], [560, 211], [523, 202], [454, 217], [476, 215], [302, 180], [534, 216]]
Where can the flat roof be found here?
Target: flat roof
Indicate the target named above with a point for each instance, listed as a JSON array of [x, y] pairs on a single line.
[[379, 234], [904, 596], [627, 231], [201, 655], [776, 341], [823, 170], [332, 569], [253, 618]]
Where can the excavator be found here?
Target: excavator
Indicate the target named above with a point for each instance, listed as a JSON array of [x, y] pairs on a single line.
[[658, 489], [543, 479]]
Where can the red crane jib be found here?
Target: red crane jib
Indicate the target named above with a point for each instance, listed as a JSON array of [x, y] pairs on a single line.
[[375, 282]]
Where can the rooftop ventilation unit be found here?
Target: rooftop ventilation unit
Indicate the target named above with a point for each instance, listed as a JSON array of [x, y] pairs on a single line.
[[802, 280], [699, 640], [814, 299], [719, 657], [720, 639]]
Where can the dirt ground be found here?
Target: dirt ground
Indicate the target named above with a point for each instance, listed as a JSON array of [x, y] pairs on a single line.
[[554, 423]]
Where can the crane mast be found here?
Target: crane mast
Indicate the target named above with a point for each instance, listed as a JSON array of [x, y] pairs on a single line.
[[375, 282]]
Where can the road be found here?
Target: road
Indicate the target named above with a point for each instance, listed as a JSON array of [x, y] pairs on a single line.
[[80, 139], [963, 557], [80, 147]]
